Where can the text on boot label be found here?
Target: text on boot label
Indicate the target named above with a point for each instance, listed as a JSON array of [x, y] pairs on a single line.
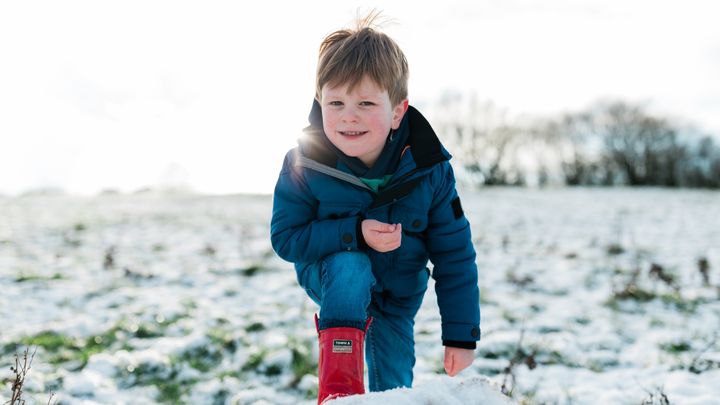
[[342, 346]]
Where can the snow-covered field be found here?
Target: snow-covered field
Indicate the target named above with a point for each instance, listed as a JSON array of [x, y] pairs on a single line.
[[588, 296]]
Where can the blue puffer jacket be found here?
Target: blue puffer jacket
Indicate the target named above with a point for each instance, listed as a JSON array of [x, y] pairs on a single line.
[[318, 204]]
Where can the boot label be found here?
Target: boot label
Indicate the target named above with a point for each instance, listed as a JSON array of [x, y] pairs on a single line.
[[342, 346]]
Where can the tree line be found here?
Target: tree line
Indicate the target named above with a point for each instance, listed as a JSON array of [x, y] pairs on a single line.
[[610, 143]]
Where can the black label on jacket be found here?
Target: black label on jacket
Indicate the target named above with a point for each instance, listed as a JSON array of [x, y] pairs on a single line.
[[457, 208]]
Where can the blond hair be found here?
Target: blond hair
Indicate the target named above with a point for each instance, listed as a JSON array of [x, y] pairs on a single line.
[[348, 55]]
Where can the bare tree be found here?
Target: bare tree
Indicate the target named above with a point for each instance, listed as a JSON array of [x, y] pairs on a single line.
[[580, 149], [644, 149], [614, 143], [482, 138], [703, 169], [609, 143]]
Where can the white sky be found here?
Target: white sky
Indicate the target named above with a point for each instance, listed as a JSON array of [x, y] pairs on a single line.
[[99, 94]]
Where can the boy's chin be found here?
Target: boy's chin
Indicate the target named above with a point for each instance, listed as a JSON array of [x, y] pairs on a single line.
[[352, 154]]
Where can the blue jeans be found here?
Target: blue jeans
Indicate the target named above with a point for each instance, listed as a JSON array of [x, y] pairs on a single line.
[[342, 284]]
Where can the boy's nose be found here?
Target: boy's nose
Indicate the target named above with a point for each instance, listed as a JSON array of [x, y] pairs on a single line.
[[350, 115]]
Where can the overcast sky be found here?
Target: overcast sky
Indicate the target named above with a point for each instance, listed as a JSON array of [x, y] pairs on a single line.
[[126, 94]]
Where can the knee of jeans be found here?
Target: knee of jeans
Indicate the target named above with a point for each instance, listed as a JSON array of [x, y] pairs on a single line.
[[351, 267]]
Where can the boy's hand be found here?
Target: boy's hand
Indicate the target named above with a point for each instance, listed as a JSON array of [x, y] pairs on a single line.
[[380, 236], [457, 359]]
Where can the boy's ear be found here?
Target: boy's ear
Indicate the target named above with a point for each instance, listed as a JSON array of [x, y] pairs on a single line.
[[398, 113]]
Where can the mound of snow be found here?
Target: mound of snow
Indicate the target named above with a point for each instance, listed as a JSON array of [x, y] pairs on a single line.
[[443, 391]]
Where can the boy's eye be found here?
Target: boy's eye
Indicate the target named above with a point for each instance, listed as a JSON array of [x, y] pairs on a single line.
[[366, 103], [335, 103]]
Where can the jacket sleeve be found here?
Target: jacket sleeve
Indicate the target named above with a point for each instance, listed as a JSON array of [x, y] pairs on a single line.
[[295, 232], [451, 251]]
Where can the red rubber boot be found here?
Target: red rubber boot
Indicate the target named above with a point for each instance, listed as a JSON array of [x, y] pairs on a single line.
[[340, 366]]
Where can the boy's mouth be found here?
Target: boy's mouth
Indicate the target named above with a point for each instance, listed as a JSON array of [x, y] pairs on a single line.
[[352, 133]]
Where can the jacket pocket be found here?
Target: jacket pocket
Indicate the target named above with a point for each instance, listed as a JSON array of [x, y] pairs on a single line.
[[414, 222], [412, 256], [327, 210]]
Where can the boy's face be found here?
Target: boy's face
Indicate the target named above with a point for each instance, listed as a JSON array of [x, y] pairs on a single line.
[[359, 122]]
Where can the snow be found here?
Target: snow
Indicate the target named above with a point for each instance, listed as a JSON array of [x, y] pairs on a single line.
[[194, 307], [441, 391]]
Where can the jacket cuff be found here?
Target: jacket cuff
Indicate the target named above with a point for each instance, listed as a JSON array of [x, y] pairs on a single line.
[[460, 332], [361, 244], [347, 233], [460, 345]]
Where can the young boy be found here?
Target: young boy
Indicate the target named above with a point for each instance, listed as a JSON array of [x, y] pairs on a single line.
[[360, 206]]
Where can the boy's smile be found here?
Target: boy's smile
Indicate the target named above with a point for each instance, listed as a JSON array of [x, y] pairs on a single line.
[[358, 122]]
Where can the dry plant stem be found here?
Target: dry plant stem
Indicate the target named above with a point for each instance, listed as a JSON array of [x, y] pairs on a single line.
[[510, 369], [20, 371], [696, 359]]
